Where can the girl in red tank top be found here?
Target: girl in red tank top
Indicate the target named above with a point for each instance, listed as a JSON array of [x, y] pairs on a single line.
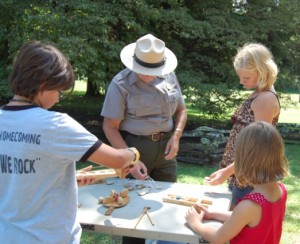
[[260, 162]]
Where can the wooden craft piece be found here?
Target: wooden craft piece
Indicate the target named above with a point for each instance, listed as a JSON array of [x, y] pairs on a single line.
[[121, 173], [198, 209], [98, 174], [112, 205], [103, 173], [114, 200], [187, 201]]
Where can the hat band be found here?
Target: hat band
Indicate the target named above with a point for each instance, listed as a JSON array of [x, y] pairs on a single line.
[[149, 65]]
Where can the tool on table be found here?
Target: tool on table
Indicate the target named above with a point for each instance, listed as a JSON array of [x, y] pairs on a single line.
[[153, 182], [147, 186], [145, 211]]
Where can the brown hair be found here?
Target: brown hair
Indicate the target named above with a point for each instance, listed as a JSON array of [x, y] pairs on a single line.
[[257, 58], [259, 155], [40, 67]]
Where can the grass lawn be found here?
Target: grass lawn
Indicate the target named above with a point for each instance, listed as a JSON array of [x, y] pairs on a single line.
[[291, 114], [291, 227], [189, 173]]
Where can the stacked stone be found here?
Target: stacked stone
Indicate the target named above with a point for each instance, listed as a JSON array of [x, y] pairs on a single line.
[[204, 145]]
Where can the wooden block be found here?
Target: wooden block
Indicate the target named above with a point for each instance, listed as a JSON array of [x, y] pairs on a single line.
[[179, 197], [206, 201], [197, 208], [183, 200], [121, 173], [98, 174]]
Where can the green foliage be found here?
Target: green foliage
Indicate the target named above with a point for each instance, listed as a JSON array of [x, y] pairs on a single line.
[[5, 93], [213, 100], [204, 35], [78, 104]]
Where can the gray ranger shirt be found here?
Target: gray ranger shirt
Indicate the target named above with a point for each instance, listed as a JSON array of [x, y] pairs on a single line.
[[143, 108]]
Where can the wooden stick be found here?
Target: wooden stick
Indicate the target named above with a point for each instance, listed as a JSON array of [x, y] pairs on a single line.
[[141, 216], [149, 217], [145, 211]]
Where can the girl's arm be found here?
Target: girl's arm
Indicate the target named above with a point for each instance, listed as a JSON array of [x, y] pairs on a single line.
[[245, 213], [220, 176]]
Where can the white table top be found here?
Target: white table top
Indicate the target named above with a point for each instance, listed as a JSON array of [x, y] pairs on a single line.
[[168, 218]]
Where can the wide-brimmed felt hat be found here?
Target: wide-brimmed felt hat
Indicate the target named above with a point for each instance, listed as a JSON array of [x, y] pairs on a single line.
[[149, 56]]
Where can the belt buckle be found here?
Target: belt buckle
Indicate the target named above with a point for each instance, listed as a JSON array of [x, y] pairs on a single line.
[[157, 136]]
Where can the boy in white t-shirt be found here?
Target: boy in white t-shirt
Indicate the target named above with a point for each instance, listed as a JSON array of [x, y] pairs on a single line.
[[38, 151]]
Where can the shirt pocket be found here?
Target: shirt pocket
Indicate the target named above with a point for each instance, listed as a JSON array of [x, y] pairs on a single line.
[[172, 98], [144, 105]]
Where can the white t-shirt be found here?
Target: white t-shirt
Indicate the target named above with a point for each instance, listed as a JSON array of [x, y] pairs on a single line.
[[38, 190]]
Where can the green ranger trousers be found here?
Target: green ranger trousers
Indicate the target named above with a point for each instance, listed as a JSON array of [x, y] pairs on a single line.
[[153, 156]]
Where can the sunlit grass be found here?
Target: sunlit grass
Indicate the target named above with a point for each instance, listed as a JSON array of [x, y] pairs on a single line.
[[291, 224], [290, 113], [80, 87], [80, 104]]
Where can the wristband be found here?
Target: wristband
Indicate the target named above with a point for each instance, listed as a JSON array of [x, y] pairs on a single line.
[[136, 154], [177, 129]]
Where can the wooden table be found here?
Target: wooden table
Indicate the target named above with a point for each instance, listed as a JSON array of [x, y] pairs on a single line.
[[168, 218]]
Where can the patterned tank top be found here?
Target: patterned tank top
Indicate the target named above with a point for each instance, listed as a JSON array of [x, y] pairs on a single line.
[[242, 117]]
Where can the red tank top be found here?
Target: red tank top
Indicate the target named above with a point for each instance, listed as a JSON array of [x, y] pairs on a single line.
[[269, 229]]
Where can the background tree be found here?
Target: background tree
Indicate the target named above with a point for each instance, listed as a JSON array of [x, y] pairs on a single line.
[[204, 35]]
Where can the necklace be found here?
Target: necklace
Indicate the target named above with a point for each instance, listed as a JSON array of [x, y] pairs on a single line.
[[20, 100]]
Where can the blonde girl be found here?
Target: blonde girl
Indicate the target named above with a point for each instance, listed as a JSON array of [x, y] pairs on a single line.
[[257, 71]]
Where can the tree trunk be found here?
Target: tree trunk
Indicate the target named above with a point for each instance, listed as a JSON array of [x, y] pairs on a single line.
[[91, 89]]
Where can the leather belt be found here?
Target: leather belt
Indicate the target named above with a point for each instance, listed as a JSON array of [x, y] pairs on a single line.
[[158, 136]]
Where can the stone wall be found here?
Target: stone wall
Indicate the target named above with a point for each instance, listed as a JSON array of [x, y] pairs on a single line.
[[205, 145], [290, 132]]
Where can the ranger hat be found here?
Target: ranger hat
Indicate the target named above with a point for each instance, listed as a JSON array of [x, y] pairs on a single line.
[[149, 56]]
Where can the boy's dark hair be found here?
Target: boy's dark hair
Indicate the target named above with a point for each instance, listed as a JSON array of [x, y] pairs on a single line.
[[40, 67]]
